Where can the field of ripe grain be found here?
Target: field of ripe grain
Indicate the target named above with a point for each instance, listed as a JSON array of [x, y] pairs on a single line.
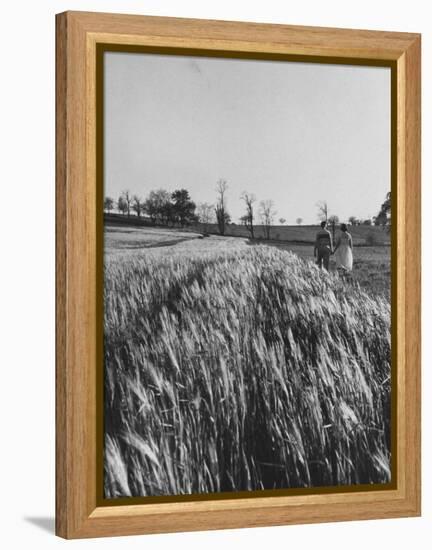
[[233, 367], [371, 267]]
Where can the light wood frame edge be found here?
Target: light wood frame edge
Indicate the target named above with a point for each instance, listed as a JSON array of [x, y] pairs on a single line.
[[77, 515]]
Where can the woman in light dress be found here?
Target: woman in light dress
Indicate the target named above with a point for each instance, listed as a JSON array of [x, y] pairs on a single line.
[[343, 251]]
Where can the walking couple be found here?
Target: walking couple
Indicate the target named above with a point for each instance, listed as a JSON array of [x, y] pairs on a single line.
[[342, 251]]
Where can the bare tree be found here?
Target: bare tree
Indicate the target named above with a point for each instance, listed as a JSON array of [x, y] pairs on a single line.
[[128, 200], [205, 214], [248, 219], [299, 221], [333, 220], [108, 204], [267, 213], [222, 216], [282, 221], [322, 210], [137, 205]]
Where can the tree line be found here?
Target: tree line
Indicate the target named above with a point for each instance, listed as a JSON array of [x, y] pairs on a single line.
[[177, 208], [161, 206], [383, 218]]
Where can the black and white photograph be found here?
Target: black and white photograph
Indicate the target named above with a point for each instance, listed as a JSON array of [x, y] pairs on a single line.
[[247, 275]]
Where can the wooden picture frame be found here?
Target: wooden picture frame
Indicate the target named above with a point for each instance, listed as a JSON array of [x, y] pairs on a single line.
[[79, 35]]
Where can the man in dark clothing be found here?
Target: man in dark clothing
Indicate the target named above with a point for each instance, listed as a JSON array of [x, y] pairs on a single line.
[[323, 246]]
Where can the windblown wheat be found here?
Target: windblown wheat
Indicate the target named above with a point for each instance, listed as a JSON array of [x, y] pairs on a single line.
[[241, 370]]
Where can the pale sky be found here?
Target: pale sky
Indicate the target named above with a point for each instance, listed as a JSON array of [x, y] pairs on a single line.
[[296, 133]]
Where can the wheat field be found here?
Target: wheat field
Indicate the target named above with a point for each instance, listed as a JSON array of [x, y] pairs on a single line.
[[232, 368]]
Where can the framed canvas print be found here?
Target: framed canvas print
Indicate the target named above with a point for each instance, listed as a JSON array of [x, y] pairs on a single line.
[[238, 274]]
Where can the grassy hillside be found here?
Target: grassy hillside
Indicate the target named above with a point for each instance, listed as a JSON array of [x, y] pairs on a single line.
[[123, 239], [234, 367], [362, 234]]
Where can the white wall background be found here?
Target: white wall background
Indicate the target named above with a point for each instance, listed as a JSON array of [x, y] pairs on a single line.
[[27, 270]]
